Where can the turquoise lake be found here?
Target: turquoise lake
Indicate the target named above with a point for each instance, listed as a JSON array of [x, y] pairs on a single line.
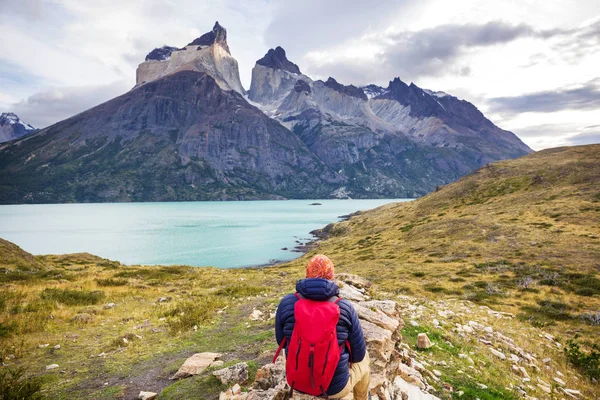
[[220, 234]]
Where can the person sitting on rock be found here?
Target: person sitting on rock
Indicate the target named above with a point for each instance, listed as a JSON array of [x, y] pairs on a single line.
[[306, 365]]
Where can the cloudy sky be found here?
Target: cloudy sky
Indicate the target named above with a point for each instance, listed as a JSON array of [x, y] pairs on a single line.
[[532, 66]]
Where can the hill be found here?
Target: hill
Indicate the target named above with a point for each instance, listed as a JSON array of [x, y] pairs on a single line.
[[499, 269]]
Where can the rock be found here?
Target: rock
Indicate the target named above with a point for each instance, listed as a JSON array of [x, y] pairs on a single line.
[[349, 292], [57, 347], [270, 375], [109, 306], [164, 299], [546, 360], [51, 367], [488, 329], [377, 317], [354, 280], [42, 346], [423, 341], [379, 344], [404, 390], [256, 314], [559, 381], [147, 395], [520, 371], [411, 375], [498, 354], [545, 388], [195, 365], [237, 373]]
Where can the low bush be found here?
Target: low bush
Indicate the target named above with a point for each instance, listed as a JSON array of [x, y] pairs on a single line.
[[73, 297], [15, 385], [111, 282], [586, 362], [185, 315]]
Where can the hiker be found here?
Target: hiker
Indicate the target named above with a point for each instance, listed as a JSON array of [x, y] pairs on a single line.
[[307, 323]]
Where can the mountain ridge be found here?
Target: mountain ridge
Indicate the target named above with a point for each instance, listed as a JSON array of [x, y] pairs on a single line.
[[189, 130]]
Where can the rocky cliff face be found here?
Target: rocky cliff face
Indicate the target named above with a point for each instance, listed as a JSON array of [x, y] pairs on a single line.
[[181, 137], [399, 141], [209, 54], [11, 127]]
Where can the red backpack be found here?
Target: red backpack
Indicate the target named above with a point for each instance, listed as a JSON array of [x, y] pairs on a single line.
[[313, 351]]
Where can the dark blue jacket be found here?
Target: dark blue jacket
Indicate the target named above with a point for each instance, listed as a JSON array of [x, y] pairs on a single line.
[[348, 327]]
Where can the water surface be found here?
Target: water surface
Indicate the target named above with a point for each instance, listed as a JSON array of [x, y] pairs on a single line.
[[221, 234]]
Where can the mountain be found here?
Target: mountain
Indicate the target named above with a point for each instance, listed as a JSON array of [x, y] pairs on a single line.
[[184, 134], [396, 141], [188, 130], [11, 127]]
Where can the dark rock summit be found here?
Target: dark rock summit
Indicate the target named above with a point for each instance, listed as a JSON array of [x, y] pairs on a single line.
[[302, 86], [217, 35], [350, 90], [276, 59], [161, 53]]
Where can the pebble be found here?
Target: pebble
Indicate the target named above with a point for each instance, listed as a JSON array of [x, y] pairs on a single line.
[[51, 366]]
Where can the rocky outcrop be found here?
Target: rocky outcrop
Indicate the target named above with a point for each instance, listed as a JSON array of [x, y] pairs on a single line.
[[392, 376], [276, 59], [208, 54], [218, 35], [11, 127]]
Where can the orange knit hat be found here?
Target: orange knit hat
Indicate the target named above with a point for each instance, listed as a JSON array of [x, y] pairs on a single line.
[[320, 266]]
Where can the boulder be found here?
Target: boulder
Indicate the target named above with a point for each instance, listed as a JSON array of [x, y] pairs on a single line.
[[271, 375], [423, 341], [196, 364], [349, 292], [376, 316], [237, 373], [147, 395], [354, 280]]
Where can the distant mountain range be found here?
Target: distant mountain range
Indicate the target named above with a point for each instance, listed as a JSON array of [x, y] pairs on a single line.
[[11, 127], [189, 130]]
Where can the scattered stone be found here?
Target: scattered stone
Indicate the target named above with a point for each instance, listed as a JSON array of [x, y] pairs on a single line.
[[57, 347], [109, 306], [546, 389], [195, 365], [51, 367], [546, 360], [164, 299], [559, 381], [414, 323], [482, 386], [498, 354], [237, 373], [437, 373], [354, 280], [42, 346], [488, 329], [423, 341], [147, 395], [256, 314], [436, 322], [349, 292]]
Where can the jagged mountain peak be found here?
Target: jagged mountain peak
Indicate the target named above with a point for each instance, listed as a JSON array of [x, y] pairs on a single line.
[[218, 35], [11, 127], [277, 59], [350, 90], [161, 53]]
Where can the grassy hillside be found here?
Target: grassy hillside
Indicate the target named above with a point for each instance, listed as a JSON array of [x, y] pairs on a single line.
[[520, 237]]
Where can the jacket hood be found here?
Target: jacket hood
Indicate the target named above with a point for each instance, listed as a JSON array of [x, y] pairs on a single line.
[[318, 289]]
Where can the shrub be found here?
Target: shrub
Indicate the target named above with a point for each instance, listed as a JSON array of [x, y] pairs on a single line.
[[15, 385], [73, 297], [418, 274], [240, 290], [111, 282], [183, 316], [586, 362]]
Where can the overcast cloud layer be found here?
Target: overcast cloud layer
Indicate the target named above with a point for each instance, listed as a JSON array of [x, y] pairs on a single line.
[[531, 67]]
